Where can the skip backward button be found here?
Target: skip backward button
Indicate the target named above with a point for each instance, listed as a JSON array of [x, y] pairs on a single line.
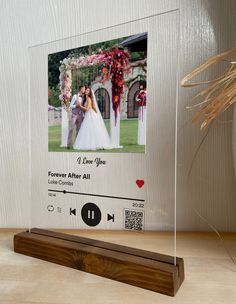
[[72, 211]]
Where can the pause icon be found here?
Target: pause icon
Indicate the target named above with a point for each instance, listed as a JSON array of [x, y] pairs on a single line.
[[91, 214]]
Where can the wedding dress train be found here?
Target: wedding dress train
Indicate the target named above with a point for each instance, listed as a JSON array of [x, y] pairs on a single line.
[[93, 134]]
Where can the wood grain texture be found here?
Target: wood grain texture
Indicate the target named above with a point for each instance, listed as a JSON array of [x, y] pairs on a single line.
[[210, 275], [136, 267]]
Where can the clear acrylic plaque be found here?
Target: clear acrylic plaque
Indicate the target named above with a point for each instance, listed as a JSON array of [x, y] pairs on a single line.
[[132, 185]]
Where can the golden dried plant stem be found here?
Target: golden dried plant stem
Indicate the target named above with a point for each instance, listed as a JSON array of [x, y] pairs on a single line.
[[217, 98], [201, 68], [220, 93]]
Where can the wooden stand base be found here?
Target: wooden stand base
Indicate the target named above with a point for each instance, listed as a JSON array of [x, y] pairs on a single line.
[[141, 268]]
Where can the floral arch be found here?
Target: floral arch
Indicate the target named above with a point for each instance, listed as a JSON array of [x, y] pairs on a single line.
[[115, 64]]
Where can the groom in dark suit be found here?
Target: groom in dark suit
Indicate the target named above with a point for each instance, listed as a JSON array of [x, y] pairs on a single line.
[[77, 114]]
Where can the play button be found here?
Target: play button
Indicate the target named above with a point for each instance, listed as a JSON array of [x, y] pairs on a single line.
[[91, 214]]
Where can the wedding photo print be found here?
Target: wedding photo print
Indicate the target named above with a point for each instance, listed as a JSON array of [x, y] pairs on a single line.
[[97, 97]]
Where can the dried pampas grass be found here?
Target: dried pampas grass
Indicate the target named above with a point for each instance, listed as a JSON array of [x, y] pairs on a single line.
[[216, 98], [220, 93]]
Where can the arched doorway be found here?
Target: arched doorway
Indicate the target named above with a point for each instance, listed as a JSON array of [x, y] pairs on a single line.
[[103, 100], [132, 107]]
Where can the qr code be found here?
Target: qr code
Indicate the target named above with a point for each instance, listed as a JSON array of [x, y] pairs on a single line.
[[133, 219]]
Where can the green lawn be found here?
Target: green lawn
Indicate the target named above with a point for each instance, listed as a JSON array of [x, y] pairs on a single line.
[[129, 133]]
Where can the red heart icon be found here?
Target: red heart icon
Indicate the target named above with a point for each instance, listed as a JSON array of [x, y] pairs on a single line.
[[140, 182]]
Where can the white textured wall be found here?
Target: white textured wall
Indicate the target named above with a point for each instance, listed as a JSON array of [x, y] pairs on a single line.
[[205, 30], [208, 27]]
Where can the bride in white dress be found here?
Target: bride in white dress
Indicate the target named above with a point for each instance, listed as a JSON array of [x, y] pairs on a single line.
[[93, 134]]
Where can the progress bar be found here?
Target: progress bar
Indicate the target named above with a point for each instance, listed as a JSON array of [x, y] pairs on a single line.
[[98, 195]]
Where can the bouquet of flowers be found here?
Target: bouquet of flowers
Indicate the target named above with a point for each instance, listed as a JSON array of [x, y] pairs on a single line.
[[142, 98]]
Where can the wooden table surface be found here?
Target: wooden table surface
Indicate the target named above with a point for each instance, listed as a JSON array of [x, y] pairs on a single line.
[[210, 276]]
